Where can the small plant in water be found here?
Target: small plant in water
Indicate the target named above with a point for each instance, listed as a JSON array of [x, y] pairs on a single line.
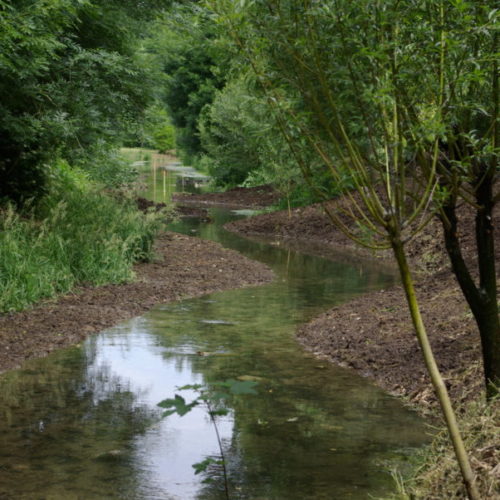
[[213, 398]]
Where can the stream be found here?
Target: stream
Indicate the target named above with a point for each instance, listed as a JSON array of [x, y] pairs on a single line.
[[83, 423]]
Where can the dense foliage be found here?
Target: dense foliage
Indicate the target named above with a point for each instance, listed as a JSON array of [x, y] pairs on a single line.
[[76, 235], [222, 118], [71, 85], [236, 133], [183, 47]]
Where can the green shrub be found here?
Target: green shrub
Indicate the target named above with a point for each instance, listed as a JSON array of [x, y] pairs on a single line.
[[233, 133], [164, 138], [76, 236], [300, 193], [107, 166]]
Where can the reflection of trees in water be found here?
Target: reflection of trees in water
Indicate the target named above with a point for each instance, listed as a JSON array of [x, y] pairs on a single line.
[[305, 434], [68, 426], [309, 428]]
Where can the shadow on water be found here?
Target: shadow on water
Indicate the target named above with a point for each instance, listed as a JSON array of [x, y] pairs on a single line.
[[83, 422]]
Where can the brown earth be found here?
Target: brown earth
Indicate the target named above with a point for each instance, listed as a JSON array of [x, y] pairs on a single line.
[[255, 197], [373, 333], [183, 267], [192, 211], [145, 205]]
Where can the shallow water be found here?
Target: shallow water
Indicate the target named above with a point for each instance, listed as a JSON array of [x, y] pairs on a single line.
[[83, 423]]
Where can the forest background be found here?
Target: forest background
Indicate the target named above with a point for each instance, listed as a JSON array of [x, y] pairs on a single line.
[[317, 99]]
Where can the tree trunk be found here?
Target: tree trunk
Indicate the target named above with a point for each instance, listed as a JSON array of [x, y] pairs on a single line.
[[487, 319], [433, 370], [482, 299]]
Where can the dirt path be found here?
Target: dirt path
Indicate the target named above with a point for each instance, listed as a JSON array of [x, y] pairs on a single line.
[[184, 267]]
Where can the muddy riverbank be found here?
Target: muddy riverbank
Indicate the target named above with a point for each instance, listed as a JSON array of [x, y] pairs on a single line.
[[255, 197], [372, 334], [183, 267]]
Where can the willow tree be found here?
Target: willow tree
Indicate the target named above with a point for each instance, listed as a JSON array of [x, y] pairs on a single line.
[[468, 166], [374, 89]]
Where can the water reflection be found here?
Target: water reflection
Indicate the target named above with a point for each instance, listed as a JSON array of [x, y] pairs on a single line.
[[83, 423], [66, 429]]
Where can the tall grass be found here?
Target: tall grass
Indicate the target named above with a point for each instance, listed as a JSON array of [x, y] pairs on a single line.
[[437, 476], [76, 236], [132, 155]]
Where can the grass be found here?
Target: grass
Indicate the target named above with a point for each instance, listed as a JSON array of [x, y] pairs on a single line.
[[137, 154], [438, 477], [76, 236]]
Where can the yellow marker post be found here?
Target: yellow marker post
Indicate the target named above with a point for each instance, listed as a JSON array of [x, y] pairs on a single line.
[[154, 177]]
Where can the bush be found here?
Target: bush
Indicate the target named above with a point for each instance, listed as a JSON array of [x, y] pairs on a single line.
[[106, 166], [232, 132], [76, 236], [164, 138], [300, 193]]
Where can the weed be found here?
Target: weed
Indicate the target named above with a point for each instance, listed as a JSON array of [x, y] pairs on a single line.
[[75, 236], [438, 476], [214, 399]]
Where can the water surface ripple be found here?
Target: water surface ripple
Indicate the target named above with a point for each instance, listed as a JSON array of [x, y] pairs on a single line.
[[83, 423]]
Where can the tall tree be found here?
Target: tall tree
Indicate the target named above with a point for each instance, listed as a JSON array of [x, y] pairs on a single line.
[[69, 81], [194, 67], [378, 89], [436, 63]]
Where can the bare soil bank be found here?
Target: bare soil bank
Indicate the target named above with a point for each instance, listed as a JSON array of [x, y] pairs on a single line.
[[184, 267], [373, 333], [255, 197]]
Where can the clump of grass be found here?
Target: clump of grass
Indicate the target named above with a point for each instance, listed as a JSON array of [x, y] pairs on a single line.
[[438, 476], [137, 154], [77, 235]]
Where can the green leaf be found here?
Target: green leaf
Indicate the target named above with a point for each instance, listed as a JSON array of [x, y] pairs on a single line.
[[168, 413], [177, 405], [193, 387], [219, 395], [204, 464], [221, 412]]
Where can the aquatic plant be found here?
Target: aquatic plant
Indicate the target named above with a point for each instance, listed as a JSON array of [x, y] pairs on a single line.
[[213, 397]]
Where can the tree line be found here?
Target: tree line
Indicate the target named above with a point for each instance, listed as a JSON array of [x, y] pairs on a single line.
[[74, 84], [394, 105]]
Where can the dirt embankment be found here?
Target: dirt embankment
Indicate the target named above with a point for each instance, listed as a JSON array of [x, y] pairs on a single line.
[[373, 333], [184, 267], [255, 197]]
